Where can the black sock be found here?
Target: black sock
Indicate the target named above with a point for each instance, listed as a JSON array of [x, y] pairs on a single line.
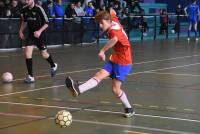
[[50, 60], [29, 66]]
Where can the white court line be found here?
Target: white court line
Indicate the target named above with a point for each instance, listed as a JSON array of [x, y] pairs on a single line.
[[192, 75], [100, 111], [4, 56], [26, 91], [144, 62], [78, 71], [1, 95], [167, 68], [102, 123], [175, 58]]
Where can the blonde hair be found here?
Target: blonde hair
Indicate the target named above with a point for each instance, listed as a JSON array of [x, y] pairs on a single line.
[[102, 15]]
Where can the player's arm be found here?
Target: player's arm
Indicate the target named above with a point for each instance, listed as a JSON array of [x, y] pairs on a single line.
[[22, 27], [45, 23], [185, 10], [111, 43]]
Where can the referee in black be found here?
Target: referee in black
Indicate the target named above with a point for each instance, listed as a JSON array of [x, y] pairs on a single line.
[[35, 19]]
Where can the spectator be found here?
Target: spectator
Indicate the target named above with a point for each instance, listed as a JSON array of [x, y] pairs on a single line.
[[125, 14], [85, 3], [163, 21], [117, 7], [134, 4], [58, 11], [2, 9], [39, 3], [15, 9], [89, 10], [70, 11], [79, 10], [48, 7], [143, 24], [179, 11], [123, 4], [58, 14]]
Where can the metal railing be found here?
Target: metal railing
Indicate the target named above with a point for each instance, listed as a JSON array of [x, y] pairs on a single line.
[[80, 30]]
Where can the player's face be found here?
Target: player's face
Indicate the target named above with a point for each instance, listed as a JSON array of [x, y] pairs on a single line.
[[29, 2], [104, 25]]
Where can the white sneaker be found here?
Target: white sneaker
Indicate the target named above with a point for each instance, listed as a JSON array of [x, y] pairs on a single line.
[[197, 39], [188, 39], [54, 70], [29, 79]]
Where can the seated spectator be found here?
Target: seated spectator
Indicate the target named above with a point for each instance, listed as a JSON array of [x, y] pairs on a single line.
[[70, 11], [15, 9]]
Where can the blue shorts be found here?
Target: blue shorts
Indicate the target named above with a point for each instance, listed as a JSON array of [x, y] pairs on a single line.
[[116, 71], [193, 21]]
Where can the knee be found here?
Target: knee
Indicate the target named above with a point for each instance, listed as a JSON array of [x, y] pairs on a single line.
[[28, 54], [44, 54], [116, 90]]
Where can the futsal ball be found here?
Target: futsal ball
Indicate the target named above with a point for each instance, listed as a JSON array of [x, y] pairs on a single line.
[[63, 118], [7, 77]]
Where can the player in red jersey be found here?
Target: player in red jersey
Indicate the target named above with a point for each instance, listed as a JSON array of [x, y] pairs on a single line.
[[117, 67]]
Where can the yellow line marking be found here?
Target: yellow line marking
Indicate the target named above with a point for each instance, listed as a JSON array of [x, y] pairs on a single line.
[[190, 110], [39, 98], [119, 103], [135, 132], [137, 105], [24, 97], [171, 108], [152, 106], [104, 102]]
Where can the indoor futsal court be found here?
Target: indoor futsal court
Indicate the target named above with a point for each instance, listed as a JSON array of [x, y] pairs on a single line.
[[53, 51], [163, 88]]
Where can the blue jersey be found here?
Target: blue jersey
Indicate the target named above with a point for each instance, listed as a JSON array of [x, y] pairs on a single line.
[[193, 11]]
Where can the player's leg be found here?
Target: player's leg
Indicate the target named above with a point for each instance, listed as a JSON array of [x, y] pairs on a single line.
[[41, 44], [77, 89], [28, 51], [195, 30], [116, 88], [49, 59], [189, 30]]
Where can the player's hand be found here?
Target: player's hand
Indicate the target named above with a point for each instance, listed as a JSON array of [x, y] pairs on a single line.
[[102, 56], [21, 35], [37, 34]]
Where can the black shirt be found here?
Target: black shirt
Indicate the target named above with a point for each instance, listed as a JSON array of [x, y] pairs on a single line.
[[35, 17]]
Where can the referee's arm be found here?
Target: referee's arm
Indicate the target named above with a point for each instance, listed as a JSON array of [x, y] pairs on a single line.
[[23, 25], [45, 20]]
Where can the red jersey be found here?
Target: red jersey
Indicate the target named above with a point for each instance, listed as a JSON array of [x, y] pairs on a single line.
[[122, 49]]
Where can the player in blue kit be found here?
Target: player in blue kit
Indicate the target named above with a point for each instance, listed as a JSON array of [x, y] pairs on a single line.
[[192, 11]]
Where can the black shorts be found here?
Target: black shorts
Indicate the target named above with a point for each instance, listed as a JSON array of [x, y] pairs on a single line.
[[39, 42]]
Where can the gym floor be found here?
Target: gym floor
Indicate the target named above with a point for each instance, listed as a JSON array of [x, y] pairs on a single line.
[[163, 87]]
